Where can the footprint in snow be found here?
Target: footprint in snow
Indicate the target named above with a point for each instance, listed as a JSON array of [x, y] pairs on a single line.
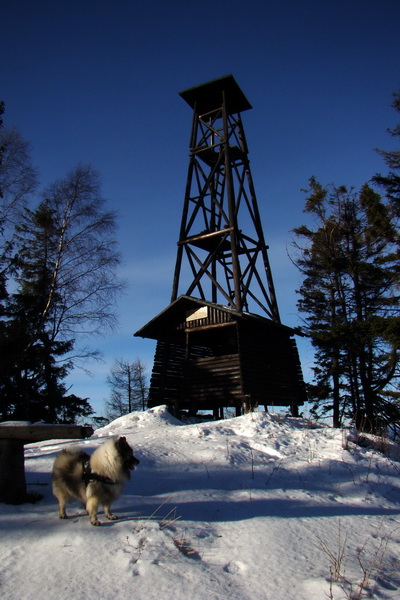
[[235, 568]]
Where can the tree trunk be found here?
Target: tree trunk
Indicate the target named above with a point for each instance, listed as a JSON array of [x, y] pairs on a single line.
[[336, 391]]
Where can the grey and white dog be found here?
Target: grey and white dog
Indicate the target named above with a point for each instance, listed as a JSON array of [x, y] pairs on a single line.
[[93, 480]]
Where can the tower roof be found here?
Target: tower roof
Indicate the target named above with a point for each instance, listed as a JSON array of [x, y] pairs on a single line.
[[165, 323], [209, 96]]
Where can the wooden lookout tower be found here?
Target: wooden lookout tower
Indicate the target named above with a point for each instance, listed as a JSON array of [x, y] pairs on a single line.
[[221, 342]]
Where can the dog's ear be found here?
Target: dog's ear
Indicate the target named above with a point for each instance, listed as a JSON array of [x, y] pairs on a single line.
[[121, 442]]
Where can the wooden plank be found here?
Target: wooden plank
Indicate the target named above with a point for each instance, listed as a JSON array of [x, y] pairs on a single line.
[[212, 381], [39, 433]]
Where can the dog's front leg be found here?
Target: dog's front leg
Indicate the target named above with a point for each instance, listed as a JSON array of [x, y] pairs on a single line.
[[108, 513], [61, 510], [91, 507]]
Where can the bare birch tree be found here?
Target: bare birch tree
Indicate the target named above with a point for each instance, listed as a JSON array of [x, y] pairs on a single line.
[[65, 274], [128, 388]]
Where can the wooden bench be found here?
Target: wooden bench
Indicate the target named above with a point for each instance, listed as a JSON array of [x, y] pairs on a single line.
[[12, 467]]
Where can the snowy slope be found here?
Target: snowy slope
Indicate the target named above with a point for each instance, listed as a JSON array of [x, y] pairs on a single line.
[[258, 507]]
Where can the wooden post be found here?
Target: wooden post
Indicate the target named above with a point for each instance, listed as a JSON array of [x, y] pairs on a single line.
[[12, 468], [12, 472]]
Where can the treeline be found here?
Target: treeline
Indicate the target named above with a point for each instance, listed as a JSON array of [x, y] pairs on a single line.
[[58, 283], [350, 297]]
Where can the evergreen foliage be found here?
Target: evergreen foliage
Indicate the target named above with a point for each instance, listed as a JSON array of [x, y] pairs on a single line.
[[391, 182], [350, 296], [57, 282]]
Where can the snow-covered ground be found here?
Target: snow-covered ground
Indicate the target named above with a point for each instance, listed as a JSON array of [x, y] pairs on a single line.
[[258, 507]]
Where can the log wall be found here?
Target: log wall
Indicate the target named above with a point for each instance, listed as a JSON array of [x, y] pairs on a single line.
[[222, 360], [271, 366]]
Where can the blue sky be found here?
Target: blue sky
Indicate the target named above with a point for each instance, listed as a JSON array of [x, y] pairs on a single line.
[[97, 81]]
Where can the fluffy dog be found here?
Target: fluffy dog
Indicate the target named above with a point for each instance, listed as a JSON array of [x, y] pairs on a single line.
[[93, 480]]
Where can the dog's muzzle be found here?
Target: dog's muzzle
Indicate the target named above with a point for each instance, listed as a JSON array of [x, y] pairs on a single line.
[[132, 462]]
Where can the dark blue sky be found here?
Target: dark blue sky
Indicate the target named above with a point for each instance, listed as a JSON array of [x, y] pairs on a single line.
[[97, 81]]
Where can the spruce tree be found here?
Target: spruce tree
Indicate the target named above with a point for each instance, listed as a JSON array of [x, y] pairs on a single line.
[[64, 273], [391, 182], [33, 369], [350, 300]]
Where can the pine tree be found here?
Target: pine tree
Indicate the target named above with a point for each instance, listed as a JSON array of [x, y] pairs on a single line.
[[350, 299], [64, 269], [33, 369], [18, 181], [391, 182]]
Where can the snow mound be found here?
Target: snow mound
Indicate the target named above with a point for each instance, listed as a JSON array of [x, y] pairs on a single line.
[[154, 417]]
